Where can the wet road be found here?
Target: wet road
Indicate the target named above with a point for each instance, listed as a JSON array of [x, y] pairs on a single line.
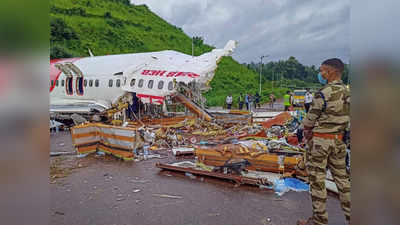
[[107, 191]]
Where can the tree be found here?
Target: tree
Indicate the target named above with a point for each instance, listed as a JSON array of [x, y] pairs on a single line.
[[57, 52], [198, 41], [107, 15], [60, 31]]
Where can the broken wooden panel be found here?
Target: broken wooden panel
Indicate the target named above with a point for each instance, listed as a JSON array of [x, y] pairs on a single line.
[[194, 108], [280, 119], [263, 161], [239, 179], [164, 122]]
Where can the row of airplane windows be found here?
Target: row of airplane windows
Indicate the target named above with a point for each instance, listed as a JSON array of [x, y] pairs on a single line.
[[150, 83], [85, 83]]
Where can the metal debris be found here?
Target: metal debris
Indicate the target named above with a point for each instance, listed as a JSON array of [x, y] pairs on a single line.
[[167, 196]]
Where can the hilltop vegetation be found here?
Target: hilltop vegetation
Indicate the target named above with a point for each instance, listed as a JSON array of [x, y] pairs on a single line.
[[115, 26], [112, 27]]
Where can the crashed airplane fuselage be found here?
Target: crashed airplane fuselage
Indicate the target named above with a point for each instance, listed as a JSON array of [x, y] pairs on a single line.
[[93, 84]]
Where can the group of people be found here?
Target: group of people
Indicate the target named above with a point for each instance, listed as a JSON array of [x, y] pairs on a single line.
[[249, 100], [254, 100], [288, 100]]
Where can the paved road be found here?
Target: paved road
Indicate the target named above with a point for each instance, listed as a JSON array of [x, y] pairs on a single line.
[[102, 191]]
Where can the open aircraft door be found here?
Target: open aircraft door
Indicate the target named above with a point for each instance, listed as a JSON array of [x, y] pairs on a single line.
[[69, 78], [79, 80]]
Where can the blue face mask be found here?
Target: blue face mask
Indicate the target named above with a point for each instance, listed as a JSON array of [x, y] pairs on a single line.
[[321, 79]]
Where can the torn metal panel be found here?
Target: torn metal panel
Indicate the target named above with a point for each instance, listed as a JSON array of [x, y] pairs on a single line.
[[198, 171], [263, 161], [280, 119], [92, 137], [182, 151], [200, 112]]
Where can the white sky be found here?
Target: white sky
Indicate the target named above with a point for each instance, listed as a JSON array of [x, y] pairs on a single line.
[[310, 30]]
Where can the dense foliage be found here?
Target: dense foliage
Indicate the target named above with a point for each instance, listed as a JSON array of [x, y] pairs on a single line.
[[292, 70]]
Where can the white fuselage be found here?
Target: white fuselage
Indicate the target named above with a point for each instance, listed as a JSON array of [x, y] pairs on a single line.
[[81, 84]]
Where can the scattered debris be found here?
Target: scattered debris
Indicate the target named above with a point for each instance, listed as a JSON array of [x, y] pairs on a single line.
[[52, 154], [233, 148], [59, 213], [190, 175], [140, 181], [167, 196], [81, 155], [100, 153], [182, 151]]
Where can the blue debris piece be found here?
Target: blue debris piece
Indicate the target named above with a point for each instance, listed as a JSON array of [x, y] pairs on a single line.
[[296, 184]]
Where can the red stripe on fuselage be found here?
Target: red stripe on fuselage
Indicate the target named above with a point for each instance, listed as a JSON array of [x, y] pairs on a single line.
[[158, 99], [54, 72]]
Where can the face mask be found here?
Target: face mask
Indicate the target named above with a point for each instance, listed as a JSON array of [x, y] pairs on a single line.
[[321, 79]]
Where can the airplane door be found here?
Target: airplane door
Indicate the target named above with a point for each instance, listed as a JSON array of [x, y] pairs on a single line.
[[79, 85], [68, 85]]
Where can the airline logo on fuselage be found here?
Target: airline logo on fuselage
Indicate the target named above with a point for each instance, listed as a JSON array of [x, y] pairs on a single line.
[[162, 73]]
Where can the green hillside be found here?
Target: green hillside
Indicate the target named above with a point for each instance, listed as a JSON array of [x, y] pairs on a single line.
[[115, 26]]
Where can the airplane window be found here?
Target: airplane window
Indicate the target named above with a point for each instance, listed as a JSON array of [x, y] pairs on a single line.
[[57, 83], [85, 83], [160, 84], [170, 85], [96, 83], [133, 82], [62, 83], [52, 83], [90, 83], [118, 84], [79, 85], [110, 83], [150, 84], [140, 83], [69, 86]]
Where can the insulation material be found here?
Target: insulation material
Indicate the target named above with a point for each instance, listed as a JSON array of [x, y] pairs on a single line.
[[182, 151], [280, 119], [92, 137], [263, 161]]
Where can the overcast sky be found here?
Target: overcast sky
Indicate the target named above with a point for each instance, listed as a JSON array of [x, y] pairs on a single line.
[[310, 30]]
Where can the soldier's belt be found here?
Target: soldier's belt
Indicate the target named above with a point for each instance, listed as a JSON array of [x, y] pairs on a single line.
[[329, 136]]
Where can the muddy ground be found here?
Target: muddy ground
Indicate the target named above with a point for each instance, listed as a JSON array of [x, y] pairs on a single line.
[[102, 190]]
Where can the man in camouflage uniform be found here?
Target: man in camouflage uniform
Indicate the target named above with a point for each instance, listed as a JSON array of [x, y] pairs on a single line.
[[324, 126]]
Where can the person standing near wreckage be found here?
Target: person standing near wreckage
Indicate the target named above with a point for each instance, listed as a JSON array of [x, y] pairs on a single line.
[[287, 101], [229, 101], [324, 127], [241, 101], [246, 99], [134, 107]]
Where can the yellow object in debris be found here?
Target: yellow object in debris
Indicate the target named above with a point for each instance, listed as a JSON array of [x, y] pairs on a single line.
[[203, 166], [116, 122], [122, 105], [179, 137]]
